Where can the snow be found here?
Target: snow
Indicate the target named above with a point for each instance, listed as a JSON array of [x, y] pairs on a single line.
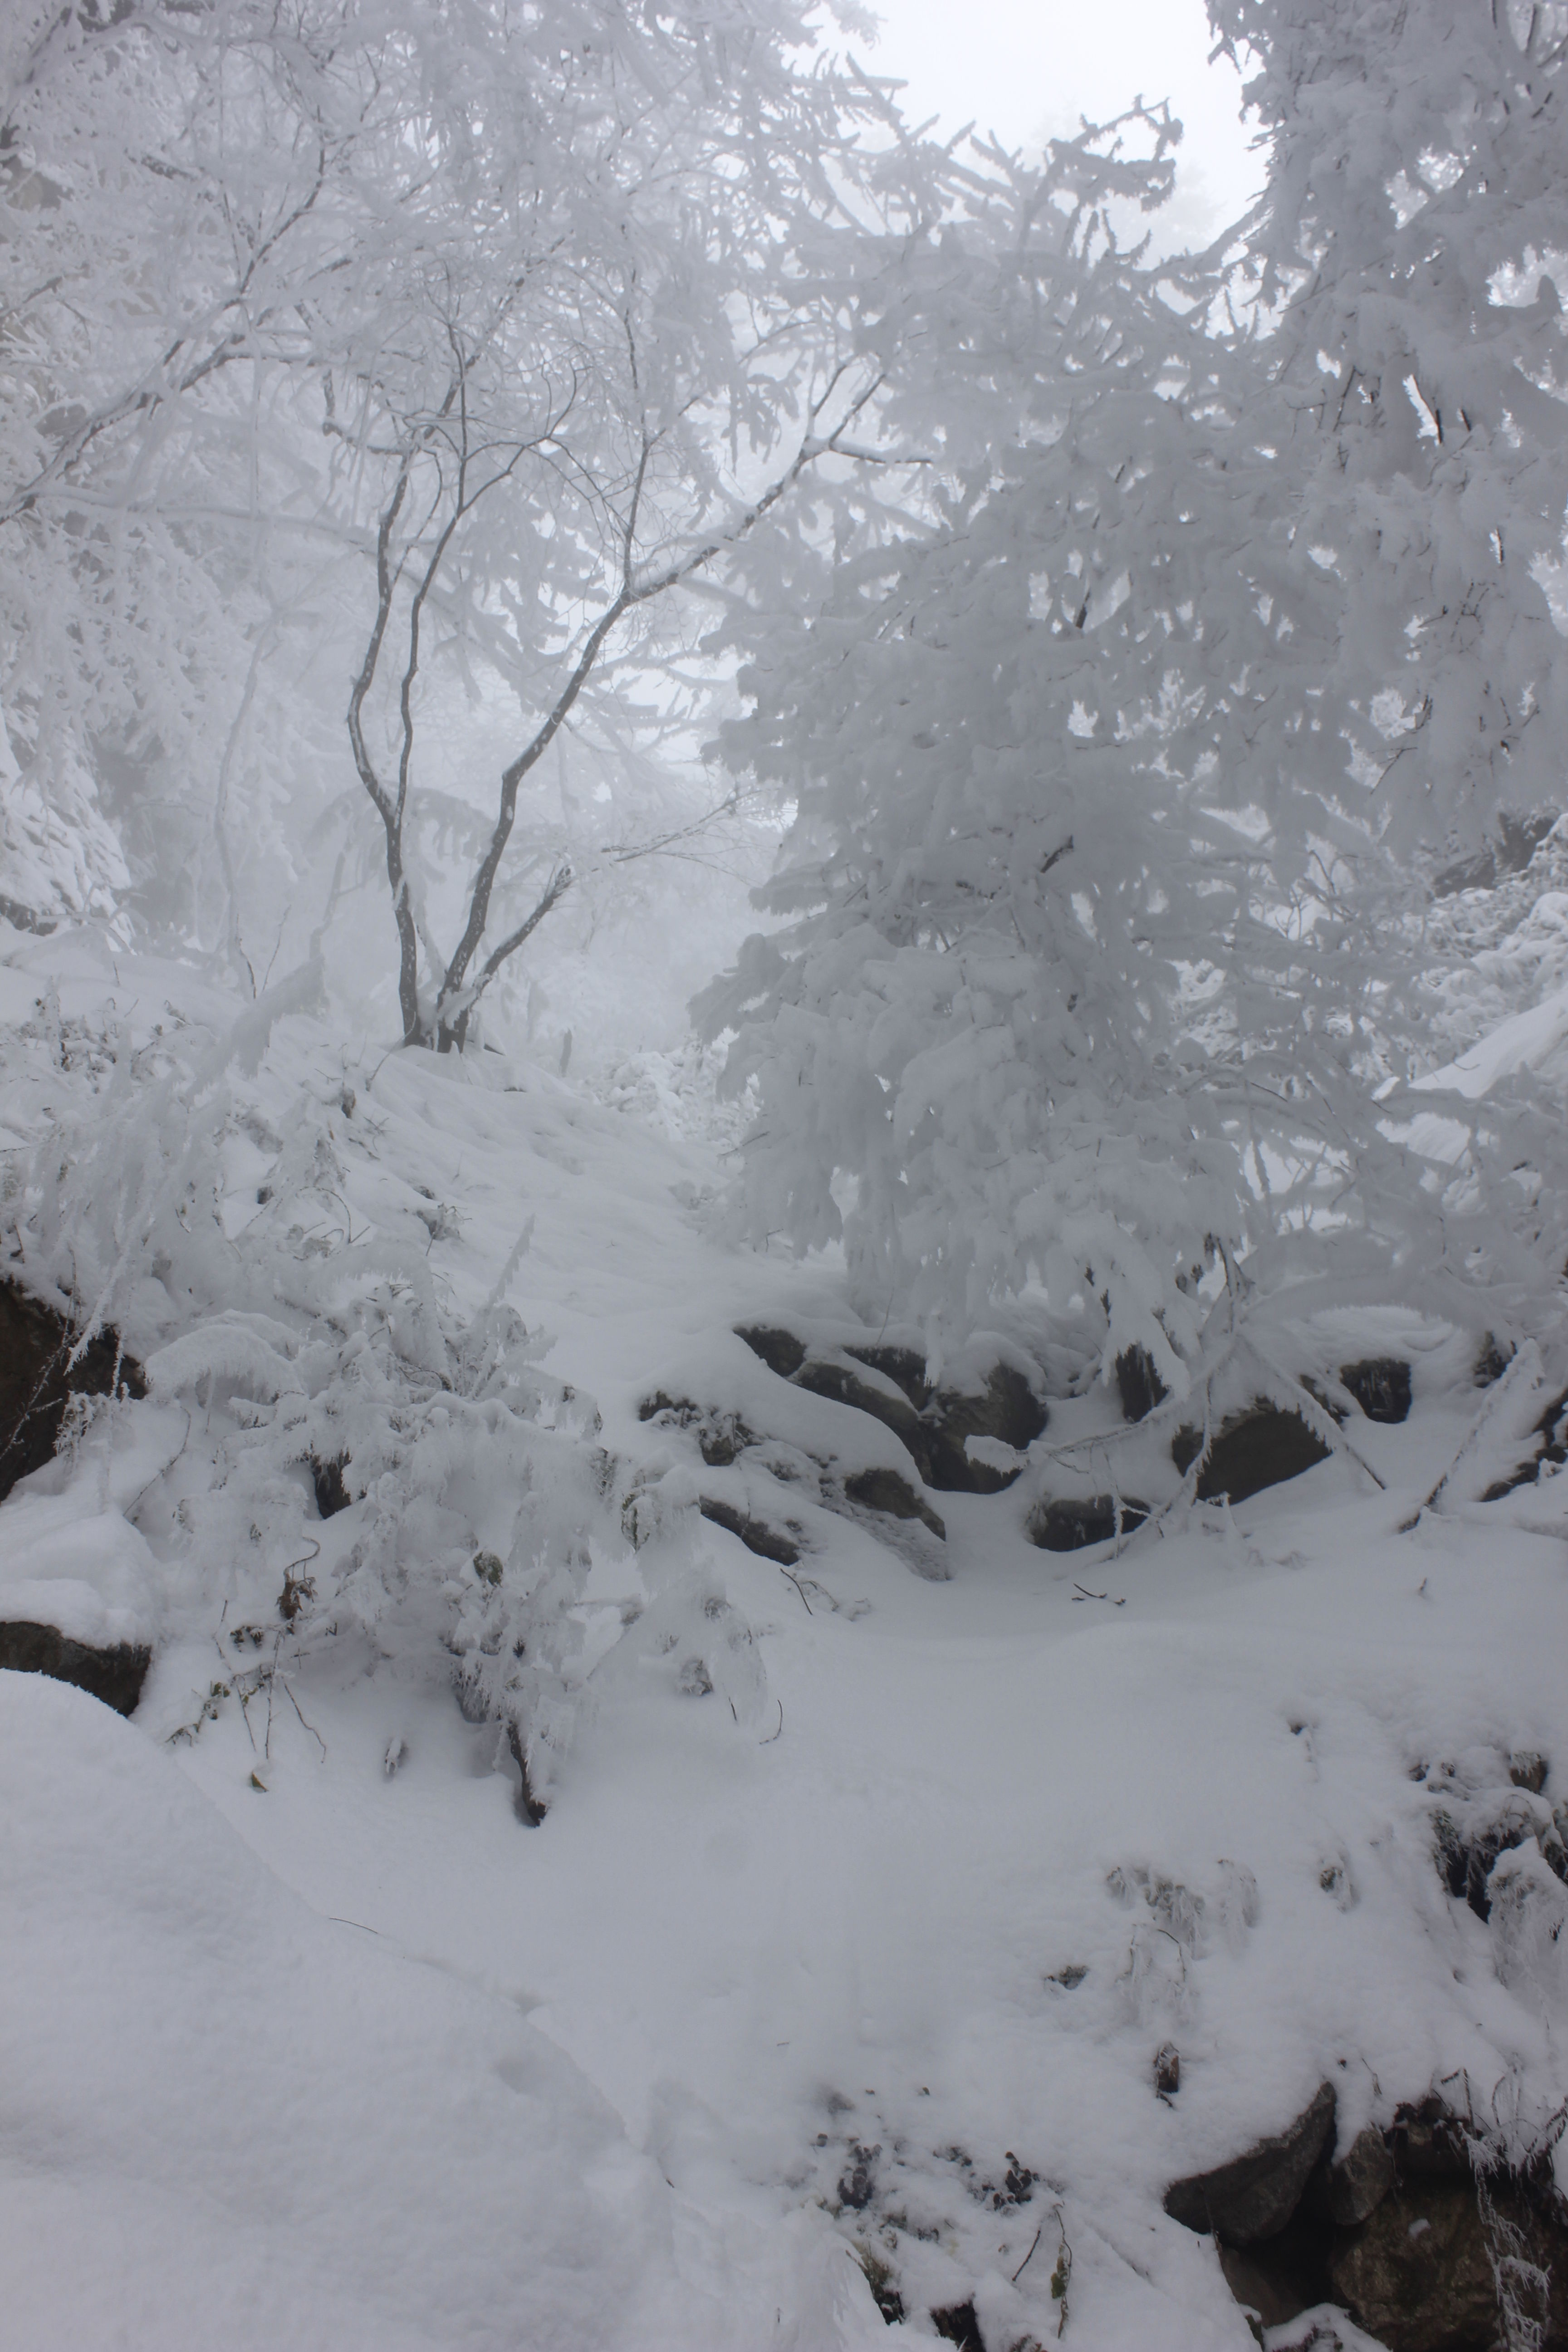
[[312, 2042]]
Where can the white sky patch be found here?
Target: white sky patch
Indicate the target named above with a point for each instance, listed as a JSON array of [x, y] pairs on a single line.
[[1028, 70]]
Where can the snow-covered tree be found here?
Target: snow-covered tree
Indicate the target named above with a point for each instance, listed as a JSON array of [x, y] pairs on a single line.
[[1108, 780], [460, 342]]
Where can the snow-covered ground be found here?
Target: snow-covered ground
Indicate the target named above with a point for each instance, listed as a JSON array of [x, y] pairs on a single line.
[[862, 1973]]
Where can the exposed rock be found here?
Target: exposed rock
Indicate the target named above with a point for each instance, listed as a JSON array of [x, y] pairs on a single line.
[[1427, 2144], [35, 1381], [842, 1382], [932, 1425], [767, 1542], [1551, 1433], [1465, 1853], [1167, 2071], [1490, 1363], [114, 1674], [1261, 1446], [958, 2324], [1006, 1409], [1357, 2184], [721, 1436], [1381, 1386], [890, 1491], [1418, 2274], [1254, 2195], [782, 1352], [529, 1808], [859, 2176], [1281, 2277], [332, 1488], [1527, 1769], [1065, 1526], [1138, 1384]]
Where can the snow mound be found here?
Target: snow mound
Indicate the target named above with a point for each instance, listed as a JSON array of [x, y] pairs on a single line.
[[232, 2120]]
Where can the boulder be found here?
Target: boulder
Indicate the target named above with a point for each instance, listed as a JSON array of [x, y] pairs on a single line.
[[35, 1380], [766, 1541], [1064, 1526], [1381, 1386], [114, 1673], [1357, 2182], [958, 2323], [841, 1380], [1418, 2274], [1261, 1446], [783, 1352], [887, 1491], [1551, 1434], [1006, 1408], [1138, 1385], [1427, 2143], [1254, 2196], [932, 1425], [1465, 1853]]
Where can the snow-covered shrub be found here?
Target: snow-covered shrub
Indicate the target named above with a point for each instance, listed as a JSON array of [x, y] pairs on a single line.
[[323, 1372]]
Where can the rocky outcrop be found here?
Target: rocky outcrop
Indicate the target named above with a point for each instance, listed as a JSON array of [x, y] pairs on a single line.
[[36, 1379], [767, 1541], [934, 1425], [1260, 1447], [1380, 1385], [1357, 2183], [1062, 1524], [1138, 1385], [1551, 1436], [115, 1674], [886, 1491], [1254, 2196], [1401, 2231], [1005, 1408]]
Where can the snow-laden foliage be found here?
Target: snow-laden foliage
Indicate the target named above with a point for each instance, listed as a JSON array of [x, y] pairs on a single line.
[[207, 1215], [410, 363], [1099, 950]]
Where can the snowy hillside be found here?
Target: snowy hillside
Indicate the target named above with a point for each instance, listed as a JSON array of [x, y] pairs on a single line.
[[908, 1914]]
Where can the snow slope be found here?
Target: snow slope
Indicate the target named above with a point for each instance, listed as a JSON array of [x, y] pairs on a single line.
[[305, 2051]]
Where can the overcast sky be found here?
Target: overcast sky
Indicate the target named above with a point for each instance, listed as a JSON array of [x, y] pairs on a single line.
[[1026, 67]]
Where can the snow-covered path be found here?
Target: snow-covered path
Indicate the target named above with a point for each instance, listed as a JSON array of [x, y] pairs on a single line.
[[299, 2053]]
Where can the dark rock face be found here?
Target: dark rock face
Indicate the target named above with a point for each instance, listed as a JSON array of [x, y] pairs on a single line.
[[332, 1488], [1255, 2195], [836, 1379], [932, 1425], [1403, 2233], [720, 1435], [782, 1352], [1006, 1409], [885, 1490], [1418, 2275], [1138, 1384], [1551, 1433], [959, 2324], [34, 1384], [767, 1542], [1381, 1386], [1357, 2185], [115, 1674], [1070, 1526], [1465, 1855], [1260, 1447]]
